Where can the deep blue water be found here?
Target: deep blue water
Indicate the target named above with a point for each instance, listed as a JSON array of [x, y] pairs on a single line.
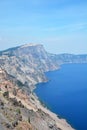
[[66, 94]]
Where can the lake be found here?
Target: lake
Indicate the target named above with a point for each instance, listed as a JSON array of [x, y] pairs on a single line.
[[66, 94]]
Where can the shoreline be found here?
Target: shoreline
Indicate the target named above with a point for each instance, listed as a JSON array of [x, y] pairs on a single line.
[[46, 106], [60, 122], [36, 106]]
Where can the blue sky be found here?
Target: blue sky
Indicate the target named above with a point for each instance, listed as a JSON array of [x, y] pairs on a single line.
[[60, 25]]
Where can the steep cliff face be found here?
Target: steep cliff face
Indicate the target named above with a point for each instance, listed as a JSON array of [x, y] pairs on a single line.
[[27, 63]]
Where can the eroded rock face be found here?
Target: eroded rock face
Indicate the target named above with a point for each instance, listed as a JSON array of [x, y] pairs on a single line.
[[27, 63]]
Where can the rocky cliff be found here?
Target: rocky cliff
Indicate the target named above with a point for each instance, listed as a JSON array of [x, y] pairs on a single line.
[[28, 63]]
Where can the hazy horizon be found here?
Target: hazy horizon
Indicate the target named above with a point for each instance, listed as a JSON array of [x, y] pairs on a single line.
[[60, 25], [44, 48]]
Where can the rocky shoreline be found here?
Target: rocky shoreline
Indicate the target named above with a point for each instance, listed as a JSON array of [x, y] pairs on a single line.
[[60, 122], [18, 109]]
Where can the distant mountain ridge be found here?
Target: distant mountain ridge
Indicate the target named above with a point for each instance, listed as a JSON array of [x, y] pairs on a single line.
[[27, 63], [69, 58]]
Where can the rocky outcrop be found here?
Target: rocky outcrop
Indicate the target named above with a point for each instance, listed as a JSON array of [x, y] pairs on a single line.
[[27, 63]]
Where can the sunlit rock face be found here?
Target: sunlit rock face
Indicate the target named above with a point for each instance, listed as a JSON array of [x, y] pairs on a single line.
[[27, 63]]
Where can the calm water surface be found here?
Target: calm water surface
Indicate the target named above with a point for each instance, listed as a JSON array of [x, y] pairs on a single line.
[[66, 94]]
